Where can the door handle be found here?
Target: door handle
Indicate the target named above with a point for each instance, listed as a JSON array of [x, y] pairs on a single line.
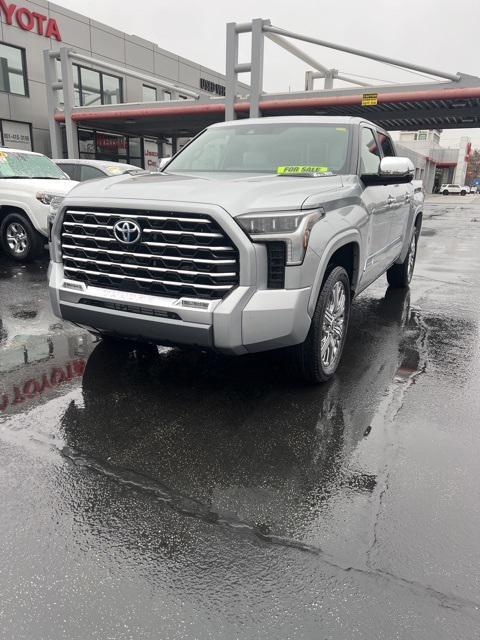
[[390, 200], [407, 197]]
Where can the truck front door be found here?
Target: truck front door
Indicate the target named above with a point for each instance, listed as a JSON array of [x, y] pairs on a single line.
[[399, 199], [379, 213]]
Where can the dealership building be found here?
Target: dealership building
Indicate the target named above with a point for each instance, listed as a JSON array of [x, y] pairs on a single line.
[[30, 28], [434, 164]]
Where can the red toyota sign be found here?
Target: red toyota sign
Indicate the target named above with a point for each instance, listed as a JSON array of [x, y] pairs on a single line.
[[30, 20]]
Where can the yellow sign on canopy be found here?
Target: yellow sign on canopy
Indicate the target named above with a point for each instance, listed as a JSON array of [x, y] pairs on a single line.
[[369, 99]]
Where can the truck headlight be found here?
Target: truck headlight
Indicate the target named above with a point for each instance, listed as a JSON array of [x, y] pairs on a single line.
[[291, 227], [47, 198]]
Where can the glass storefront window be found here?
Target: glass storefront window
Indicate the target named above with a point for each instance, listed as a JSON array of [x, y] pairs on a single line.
[[102, 145], [111, 89], [135, 147], [86, 143], [111, 147], [12, 70], [149, 93], [91, 87], [76, 85]]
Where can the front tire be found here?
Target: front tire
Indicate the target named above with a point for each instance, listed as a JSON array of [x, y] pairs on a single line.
[[445, 192], [19, 239], [317, 359], [400, 275]]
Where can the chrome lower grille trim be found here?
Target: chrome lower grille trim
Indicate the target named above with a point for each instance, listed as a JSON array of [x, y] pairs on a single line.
[[135, 266], [123, 277]]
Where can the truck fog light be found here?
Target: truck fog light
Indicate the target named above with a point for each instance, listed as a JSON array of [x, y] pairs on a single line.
[[195, 304]]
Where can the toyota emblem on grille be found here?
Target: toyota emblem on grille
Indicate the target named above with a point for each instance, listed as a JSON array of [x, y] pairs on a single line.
[[127, 231]]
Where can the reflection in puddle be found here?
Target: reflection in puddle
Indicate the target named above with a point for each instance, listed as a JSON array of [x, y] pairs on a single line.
[[35, 368], [237, 436]]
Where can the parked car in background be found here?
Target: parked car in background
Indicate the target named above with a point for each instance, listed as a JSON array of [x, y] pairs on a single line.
[[474, 189], [447, 189], [256, 236], [29, 183], [82, 170]]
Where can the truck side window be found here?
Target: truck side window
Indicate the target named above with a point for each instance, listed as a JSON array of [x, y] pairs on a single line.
[[369, 152], [385, 144]]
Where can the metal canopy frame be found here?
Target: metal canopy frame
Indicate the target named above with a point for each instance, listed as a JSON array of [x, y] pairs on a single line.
[[260, 28]]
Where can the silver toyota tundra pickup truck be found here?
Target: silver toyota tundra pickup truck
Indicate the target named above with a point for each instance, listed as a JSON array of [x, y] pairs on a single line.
[[256, 236]]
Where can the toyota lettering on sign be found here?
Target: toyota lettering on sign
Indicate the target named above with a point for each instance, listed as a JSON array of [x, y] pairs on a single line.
[[30, 20]]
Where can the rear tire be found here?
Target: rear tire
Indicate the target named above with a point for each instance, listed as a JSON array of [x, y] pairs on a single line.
[[19, 240], [400, 275], [317, 359]]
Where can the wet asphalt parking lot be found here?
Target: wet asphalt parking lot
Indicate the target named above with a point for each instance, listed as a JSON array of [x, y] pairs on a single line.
[[181, 495]]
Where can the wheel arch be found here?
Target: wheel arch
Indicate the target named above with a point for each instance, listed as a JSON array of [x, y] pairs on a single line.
[[6, 209], [343, 251], [418, 220], [22, 210]]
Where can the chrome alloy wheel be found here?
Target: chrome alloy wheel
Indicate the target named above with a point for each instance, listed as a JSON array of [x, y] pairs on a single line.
[[333, 327], [411, 256], [17, 238]]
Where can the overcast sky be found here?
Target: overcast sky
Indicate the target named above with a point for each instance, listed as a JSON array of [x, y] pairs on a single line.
[[434, 33]]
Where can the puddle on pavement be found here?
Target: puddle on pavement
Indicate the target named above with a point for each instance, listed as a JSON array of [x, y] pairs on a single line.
[[234, 435]]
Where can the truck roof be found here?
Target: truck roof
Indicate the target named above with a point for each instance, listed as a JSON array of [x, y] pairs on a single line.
[[294, 119]]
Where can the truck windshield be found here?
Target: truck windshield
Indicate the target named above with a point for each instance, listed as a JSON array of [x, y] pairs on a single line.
[[263, 148], [15, 164]]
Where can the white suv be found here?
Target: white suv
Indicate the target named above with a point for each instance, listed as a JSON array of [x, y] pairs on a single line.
[[28, 183], [447, 189]]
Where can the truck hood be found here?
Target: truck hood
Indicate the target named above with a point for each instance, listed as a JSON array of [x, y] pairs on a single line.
[[236, 193]]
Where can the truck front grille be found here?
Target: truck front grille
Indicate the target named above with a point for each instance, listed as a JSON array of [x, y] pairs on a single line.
[[176, 255]]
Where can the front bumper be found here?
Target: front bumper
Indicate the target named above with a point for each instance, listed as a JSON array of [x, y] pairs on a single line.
[[247, 320]]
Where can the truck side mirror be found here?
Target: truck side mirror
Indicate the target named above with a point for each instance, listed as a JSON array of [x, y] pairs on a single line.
[[392, 170]]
